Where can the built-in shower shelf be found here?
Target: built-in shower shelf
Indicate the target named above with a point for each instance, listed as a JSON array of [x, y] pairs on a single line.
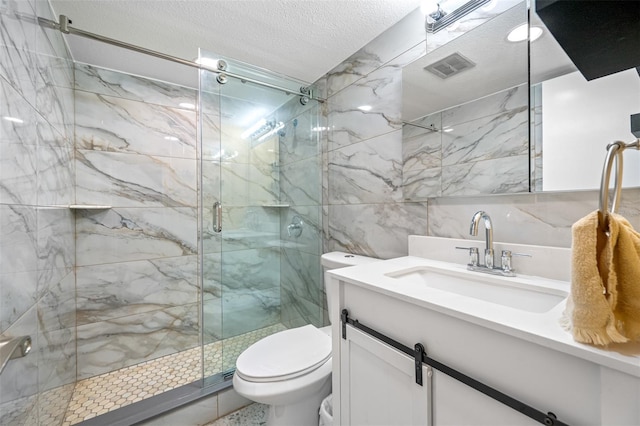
[[276, 206], [88, 207]]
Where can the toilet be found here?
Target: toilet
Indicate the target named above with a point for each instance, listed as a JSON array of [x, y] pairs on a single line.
[[291, 370]]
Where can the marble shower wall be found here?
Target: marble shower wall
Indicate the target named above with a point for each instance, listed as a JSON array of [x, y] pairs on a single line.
[[137, 263], [376, 191], [37, 246], [302, 290]]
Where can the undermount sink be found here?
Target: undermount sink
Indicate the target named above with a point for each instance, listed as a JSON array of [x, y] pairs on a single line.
[[512, 292]]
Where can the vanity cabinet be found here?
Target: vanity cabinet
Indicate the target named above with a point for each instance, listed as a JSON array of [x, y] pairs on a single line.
[[375, 384], [374, 377]]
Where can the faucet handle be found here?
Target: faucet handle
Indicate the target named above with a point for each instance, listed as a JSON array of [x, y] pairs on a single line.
[[473, 254], [506, 259]]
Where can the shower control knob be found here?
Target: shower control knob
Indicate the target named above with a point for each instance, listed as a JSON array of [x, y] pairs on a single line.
[[294, 229]]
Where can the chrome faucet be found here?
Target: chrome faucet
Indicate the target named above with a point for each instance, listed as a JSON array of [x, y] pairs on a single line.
[[488, 227], [505, 268]]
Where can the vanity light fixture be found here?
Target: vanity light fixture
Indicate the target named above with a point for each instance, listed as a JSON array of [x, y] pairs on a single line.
[[522, 32], [365, 108], [251, 130], [276, 127], [13, 119], [443, 13]]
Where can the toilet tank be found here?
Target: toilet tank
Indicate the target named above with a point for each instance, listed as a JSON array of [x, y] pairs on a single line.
[[338, 259]]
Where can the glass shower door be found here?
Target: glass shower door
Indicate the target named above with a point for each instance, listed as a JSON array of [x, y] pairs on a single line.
[[244, 264], [210, 226]]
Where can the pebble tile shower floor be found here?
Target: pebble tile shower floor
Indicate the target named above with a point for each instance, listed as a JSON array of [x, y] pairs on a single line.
[[101, 394]]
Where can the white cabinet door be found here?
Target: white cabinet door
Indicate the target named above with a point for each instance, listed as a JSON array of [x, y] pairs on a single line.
[[378, 385]]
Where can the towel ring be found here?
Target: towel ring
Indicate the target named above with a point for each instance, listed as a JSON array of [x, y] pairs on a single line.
[[614, 152]]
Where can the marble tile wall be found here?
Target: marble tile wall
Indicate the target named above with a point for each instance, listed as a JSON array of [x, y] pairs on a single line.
[[477, 148], [137, 262], [376, 191], [37, 246], [301, 188], [364, 210]]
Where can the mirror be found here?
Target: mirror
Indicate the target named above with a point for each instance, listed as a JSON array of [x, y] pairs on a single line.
[[508, 117]]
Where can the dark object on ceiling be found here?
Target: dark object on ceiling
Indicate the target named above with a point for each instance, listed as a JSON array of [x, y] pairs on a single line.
[[600, 37]]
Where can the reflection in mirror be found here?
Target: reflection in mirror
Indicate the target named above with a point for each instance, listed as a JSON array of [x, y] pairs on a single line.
[[573, 120], [465, 109], [467, 128]]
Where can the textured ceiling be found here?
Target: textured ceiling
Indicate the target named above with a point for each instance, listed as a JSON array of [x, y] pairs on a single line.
[[300, 38]]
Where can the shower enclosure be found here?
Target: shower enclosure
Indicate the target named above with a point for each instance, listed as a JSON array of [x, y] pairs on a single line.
[[260, 195], [174, 236]]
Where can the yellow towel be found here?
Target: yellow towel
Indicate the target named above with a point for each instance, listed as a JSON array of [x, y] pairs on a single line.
[[625, 269], [604, 304]]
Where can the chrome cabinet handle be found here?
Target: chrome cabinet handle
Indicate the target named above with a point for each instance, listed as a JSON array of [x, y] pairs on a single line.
[[217, 217]]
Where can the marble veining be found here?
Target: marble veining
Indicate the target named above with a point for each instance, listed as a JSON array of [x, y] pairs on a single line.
[[131, 180], [17, 46], [133, 127], [480, 177], [381, 50], [37, 283], [381, 91], [57, 306], [120, 342], [300, 182], [128, 288], [122, 234], [376, 230], [422, 184], [112, 83], [367, 172]]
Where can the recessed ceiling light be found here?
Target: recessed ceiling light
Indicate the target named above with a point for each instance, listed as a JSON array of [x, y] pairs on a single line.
[[187, 105], [522, 32], [365, 107]]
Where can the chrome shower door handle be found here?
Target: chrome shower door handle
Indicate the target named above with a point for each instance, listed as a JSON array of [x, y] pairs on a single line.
[[217, 217]]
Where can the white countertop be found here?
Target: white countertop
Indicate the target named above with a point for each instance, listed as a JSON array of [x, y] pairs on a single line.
[[540, 328]]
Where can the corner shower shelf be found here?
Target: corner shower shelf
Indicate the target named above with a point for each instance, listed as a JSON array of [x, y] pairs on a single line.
[[88, 207]]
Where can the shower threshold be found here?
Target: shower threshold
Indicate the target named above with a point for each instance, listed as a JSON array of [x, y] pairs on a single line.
[[102, 394]]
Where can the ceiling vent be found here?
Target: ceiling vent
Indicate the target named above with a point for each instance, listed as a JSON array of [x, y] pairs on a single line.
[[450, 66]]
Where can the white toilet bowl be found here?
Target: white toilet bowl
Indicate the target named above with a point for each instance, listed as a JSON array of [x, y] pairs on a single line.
[[293, 380], [291, 370]]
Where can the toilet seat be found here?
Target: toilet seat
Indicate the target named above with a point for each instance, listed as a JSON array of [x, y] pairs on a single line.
[[285, 355]]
